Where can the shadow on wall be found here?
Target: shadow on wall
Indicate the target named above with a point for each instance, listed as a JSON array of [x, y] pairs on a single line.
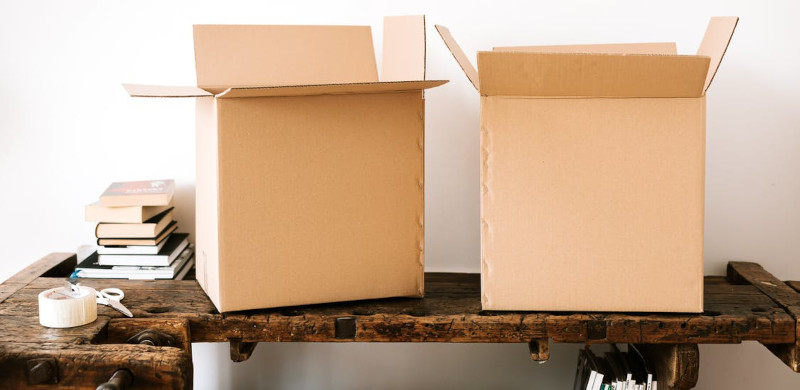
[[752, 173], [184, 202], [385, 366]]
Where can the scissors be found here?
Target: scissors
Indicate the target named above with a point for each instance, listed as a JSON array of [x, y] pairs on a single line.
[[111, 297]]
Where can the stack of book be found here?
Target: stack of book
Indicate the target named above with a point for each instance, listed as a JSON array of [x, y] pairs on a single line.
[[616, 370], [136, 234]]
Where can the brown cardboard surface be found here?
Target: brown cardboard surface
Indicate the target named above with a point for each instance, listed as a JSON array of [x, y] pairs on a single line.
[[309, 171], [715, 43], [331, 89], [592, 204], [139, 90], [609, 75], [320, 199], [207, 198], [592, 174], [608, 48], [458, 54], [235, 55], [403, 48]]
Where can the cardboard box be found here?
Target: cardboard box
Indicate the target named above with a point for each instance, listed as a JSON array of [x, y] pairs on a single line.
[[309, 169], [592, 174]]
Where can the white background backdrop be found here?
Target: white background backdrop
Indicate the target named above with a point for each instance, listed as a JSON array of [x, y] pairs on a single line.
[[67, 130]]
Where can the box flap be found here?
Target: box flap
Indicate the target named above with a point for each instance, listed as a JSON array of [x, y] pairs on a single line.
[[139, 90], [403, 48], [608, 48], [330, 89], [601, 75], [245, 55], [715, 43], [459, 55]]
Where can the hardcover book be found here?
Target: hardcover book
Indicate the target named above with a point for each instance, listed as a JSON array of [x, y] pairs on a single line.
[[175, 244], [91, 268], [149, 241], [151, 228], [138, 193], [131, 249], [125, 214]]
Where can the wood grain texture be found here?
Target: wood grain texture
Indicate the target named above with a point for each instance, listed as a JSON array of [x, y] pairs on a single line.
[[26, 329], [450, 312], [677, 365], [87, 366], [783, 295], [750, 304], [53, 265], [539, 350], [122, 329]]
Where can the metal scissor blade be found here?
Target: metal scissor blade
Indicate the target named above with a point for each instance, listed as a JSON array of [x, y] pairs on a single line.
[[119, 307]]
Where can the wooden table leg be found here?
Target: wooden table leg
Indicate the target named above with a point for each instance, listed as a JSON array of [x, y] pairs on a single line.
[[89, 365], [539, 349], [677, 365], [785, 296]]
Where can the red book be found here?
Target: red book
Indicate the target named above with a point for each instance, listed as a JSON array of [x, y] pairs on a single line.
[[138, 193]]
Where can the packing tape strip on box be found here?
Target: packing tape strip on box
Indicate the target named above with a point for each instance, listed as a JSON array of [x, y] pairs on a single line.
[[63, 307]]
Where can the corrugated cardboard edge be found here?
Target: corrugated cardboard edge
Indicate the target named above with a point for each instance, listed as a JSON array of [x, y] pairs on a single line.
[[207, 200], [715, 43], [421, 237], [330, 89], [486, 198], [141, 90], [608, 48], [403, 48], [458, 54]]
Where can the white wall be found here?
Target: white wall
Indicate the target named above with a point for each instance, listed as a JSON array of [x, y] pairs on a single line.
[[67, 129]]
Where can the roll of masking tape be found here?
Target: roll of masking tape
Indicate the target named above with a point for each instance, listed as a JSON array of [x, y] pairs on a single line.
[[63, 307]]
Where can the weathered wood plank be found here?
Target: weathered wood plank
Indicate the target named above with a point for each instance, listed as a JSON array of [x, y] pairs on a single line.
[[26, 329], [87, 366], [9, 288], [450, 312], [539, 350], [120, 330], [677, 365], [783, 295], [54, 264], [771, 286], [143, 298], [240, 350]]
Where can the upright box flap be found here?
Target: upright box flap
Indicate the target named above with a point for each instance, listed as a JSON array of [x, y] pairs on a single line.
[[608, 48], [238, 56], [331, 89], [601, 75], [459, 55], [715, 43], [403, 48], [139, 90]]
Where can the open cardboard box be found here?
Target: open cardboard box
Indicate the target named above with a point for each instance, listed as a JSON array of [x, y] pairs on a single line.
[[309, 169], [592, 173]]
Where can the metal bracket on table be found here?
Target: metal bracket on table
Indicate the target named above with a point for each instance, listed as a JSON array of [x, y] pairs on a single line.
[[152, 337]]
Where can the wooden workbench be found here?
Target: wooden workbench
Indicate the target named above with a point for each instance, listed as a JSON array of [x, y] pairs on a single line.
[[153, 349]]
